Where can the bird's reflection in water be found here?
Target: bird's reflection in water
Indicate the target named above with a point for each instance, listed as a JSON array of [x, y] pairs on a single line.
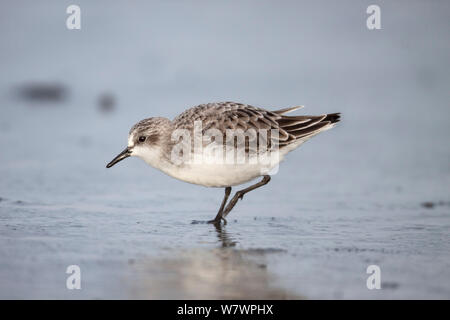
[[225, 238], [224, 272]]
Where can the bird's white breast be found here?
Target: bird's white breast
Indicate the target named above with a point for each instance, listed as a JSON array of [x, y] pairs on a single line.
[[211, 175], [207, 172]]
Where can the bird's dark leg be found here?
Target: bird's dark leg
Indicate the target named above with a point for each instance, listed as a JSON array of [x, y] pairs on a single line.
[[240, 194], [224, 201]]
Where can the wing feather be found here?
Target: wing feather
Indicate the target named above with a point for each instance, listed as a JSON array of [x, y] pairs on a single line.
[[231, 115]]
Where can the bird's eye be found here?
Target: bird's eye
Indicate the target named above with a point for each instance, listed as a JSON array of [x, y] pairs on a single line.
[[141, 139]]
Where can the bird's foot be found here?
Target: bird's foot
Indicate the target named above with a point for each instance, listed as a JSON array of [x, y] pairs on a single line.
[[217, 221]]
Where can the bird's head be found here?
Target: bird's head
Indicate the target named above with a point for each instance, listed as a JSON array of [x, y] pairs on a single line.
[[146, 139]]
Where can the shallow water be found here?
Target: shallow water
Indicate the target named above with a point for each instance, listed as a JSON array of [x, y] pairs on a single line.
[[374, 190]]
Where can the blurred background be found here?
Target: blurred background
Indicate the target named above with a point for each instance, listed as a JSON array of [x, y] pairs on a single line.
[[374, 190]]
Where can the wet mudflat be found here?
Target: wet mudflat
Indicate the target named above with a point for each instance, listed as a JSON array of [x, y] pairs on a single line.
[[136, 253], [372, 191]]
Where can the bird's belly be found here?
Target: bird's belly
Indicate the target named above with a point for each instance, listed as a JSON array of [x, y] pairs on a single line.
[[211, 175]]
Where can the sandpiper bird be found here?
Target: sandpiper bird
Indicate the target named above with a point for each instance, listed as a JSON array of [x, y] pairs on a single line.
[[153, 140]]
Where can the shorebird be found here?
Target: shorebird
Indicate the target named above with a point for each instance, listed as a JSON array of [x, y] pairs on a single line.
[[154, 140]]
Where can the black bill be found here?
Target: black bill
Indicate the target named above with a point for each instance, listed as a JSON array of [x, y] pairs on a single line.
[[124, 154]]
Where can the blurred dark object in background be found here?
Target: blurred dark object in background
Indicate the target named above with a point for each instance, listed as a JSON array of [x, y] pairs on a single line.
[[106, 102], [431, 204], [42, 92]]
